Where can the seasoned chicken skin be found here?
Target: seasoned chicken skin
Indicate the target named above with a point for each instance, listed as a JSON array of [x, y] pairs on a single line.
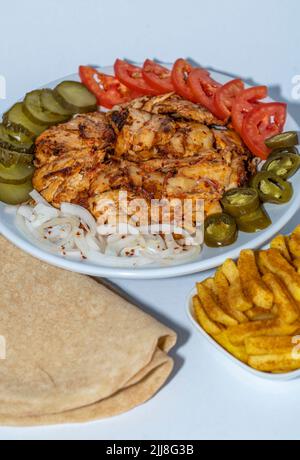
[[153, 148]]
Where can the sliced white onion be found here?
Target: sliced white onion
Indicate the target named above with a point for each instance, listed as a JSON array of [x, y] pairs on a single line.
[[106, 230], [94, 243], [26, 211], [75, 255], [81, 213], [73, 232], [47, 211], [38, 198]]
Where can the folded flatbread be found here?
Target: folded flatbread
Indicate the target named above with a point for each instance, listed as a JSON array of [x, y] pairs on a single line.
[[75, 351]]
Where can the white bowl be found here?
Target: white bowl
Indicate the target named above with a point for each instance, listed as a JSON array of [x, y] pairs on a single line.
[[264, 375], [209, 258]]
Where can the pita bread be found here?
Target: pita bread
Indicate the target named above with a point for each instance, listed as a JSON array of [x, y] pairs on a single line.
[[75, 351]]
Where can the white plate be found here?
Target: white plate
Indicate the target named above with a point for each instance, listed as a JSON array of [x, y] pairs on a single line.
[[208, 259], [264, 375]]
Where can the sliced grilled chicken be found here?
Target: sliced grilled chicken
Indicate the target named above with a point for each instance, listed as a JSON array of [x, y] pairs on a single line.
[[145, 136], [152, 148], [173, 105], [68, 156], [204, 177]]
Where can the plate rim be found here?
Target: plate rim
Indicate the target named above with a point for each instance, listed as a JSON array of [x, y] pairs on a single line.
[[145, 273]]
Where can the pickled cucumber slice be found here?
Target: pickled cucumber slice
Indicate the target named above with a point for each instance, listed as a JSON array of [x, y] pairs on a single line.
[[17, 120], [14, 140], [10, 157], [52, 105], [16, 174], [75, 96], [37, 113], [15, 194]]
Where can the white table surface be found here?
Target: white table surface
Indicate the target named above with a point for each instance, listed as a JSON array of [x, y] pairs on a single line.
[[40, 41]]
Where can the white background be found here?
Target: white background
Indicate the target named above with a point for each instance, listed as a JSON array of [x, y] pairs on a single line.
[[42, 40]]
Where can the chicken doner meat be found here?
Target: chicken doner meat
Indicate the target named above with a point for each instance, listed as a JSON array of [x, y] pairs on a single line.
[[152, 148]]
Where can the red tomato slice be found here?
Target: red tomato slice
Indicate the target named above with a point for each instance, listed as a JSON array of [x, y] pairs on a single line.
[[158, 77], [262, 122], [225, 97], [132, 77], [180, 74], [204, 89], [244, 103], [107, 89]]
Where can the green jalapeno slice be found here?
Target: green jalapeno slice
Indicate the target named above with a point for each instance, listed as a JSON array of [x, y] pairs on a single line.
[[254, 222], [288, 139], [220, 230], [284, 165], [271, 188], [240, 201]]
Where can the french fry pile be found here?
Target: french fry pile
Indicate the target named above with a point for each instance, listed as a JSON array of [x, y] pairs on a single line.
[[252, 307]]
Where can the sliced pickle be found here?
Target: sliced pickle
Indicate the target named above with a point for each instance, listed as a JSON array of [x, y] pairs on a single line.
[[14, 140], [75, 96], [52, 105], [10, 157], [15, 194], [17, 120], [16, 174], [36, 111]]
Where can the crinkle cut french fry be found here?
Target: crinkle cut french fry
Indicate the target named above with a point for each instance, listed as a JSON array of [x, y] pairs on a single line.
[[211, 308], [205, 322], [265, 345], [274, 261], [230, 270], [274, 363], [260, 314], [238, 351], [237, 299], [210, 284], [221, 283], [221, 289], [294, 243], [281, 243], [260, 264], [296, 263], [252, 284], [287, 308], [296, 231], [252, 308], [238, 334]]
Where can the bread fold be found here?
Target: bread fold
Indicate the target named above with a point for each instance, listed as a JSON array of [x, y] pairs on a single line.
[[75, 351]]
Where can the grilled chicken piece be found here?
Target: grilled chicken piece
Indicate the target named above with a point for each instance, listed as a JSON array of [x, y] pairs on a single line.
[[203, 177], [173, 105], [145, 136], [68, 156], [152, 148]]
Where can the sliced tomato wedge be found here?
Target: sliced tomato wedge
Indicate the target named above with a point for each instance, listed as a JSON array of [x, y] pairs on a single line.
[[158, 77], [204, 89], [225, 97], [262, 122], [180, 74], [132, 77], [108, 90], [244, 103]]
